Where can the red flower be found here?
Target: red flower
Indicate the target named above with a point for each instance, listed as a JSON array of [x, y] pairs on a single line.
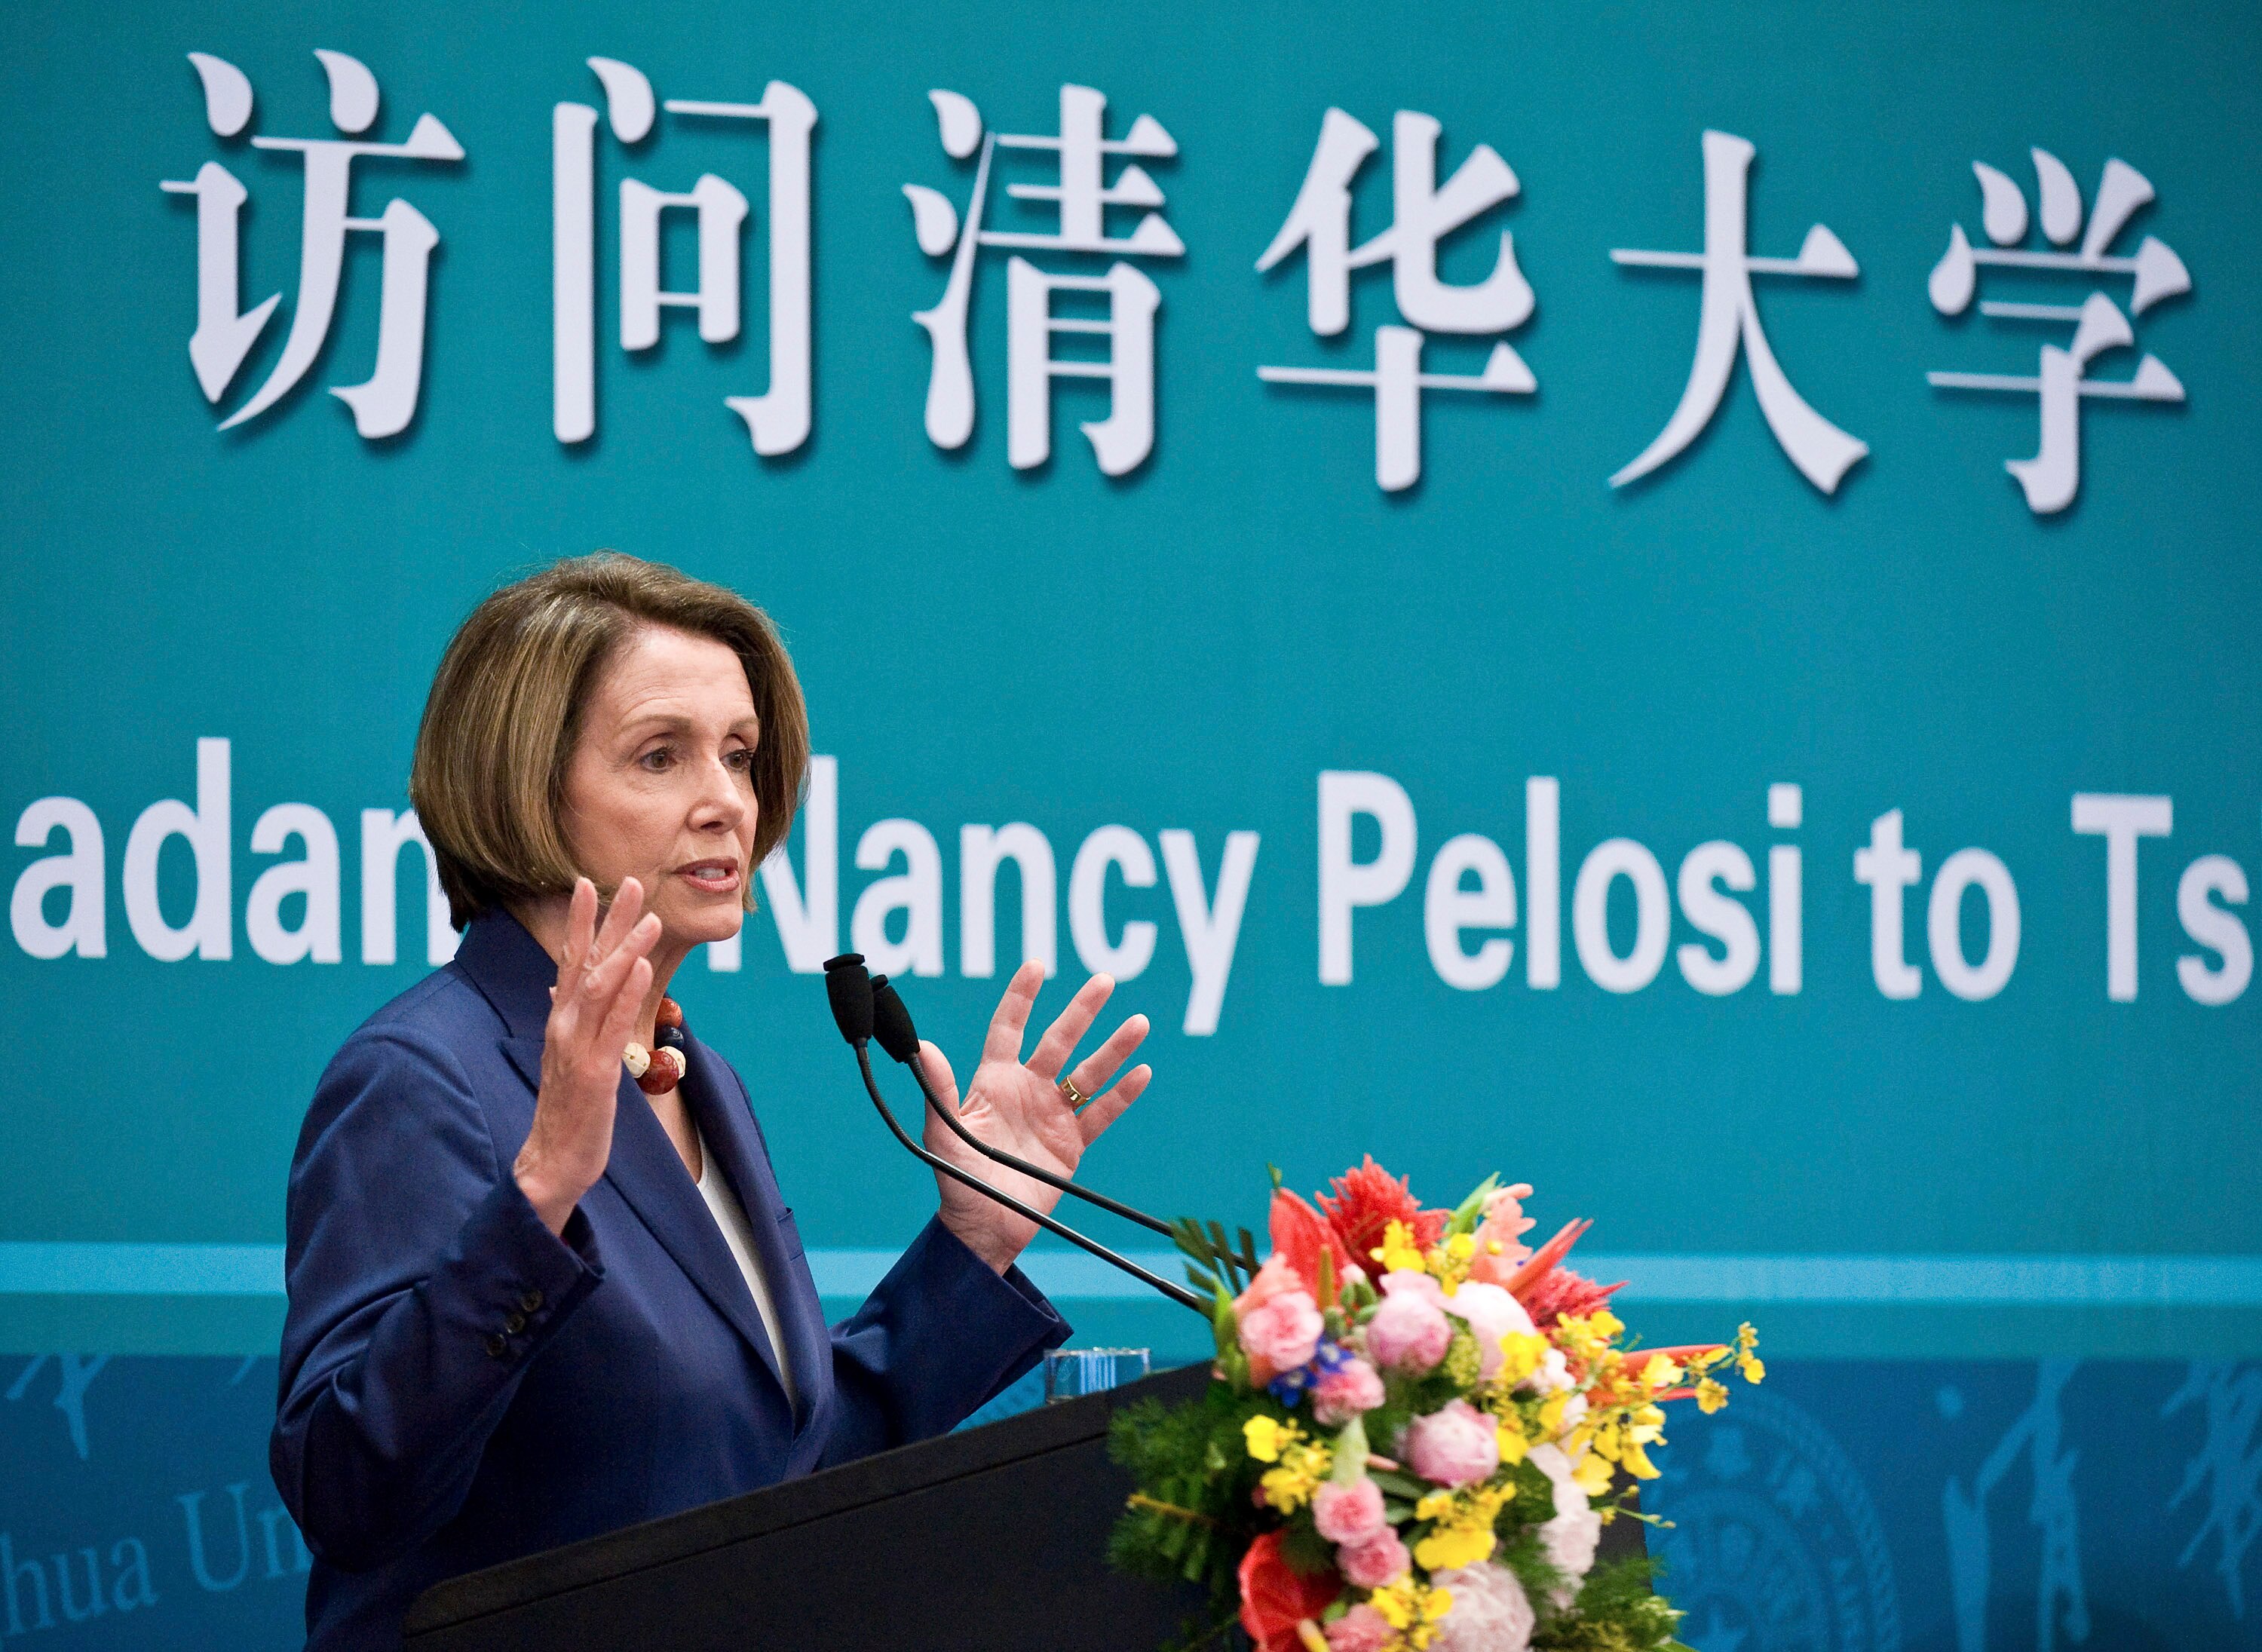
[[1366, 1202], [1561, 1292], [1300, 1236], [1275, 1597]]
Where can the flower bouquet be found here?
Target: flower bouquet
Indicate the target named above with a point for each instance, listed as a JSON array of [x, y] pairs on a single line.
[[1416, 1432]]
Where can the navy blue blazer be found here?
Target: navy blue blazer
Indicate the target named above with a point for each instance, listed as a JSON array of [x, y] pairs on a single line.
[[459, 1386]]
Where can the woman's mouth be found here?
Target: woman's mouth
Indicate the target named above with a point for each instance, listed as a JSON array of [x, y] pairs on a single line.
[[712, 878]]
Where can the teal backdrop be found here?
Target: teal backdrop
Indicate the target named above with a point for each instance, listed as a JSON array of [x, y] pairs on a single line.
[[1999, 1232]]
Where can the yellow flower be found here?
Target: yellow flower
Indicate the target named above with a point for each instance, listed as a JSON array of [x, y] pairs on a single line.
[[1399, 1253], [1660, 1373], [1450, 1261], [1304, 1466], [1592, 1475], [1753, 1368], [1637, 1461], [1551, 1412], [1396, 1603], [1522, 1353], [1433, 1505], [1512, 1442], [1711, 1396], [1266, 1435], [1413, 1610], [1454, 1545]]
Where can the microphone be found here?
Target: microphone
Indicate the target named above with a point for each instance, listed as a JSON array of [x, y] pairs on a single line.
[[891, 1025], [849, 989]]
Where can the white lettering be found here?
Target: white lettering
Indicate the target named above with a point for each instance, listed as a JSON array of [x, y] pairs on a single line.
[[2205, 879], [383, 836], [315, 877], [1344, 882], [1888, 869], [210, 929], [2121, 820], [1713, 914], [1115, 845], [79, 870], [1944, 924], [1447, 909], [1210, 929], [916, 891], [1590, 915], [980, 850]]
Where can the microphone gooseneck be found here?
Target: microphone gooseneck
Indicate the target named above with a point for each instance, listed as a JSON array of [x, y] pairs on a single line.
[[892, 1027], [849, 988]]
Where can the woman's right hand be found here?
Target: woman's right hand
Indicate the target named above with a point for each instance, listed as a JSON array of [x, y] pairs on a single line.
[[602, 981]]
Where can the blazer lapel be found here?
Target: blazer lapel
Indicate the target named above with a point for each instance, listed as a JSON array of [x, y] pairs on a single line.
[[726, 1124], [514, 974]]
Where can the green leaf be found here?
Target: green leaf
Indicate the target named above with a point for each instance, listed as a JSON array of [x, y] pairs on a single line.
[[1470, 1211]]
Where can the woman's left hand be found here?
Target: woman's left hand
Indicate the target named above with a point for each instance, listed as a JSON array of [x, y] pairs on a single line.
[[1019, 1107]]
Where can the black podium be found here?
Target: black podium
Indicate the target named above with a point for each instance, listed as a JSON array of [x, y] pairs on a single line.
[[990, 1541]]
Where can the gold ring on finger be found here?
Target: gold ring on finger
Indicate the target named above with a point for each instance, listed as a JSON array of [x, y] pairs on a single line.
[[1076, 1097]]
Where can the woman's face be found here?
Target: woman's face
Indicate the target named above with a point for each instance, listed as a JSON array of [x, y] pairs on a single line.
[[660, 785]]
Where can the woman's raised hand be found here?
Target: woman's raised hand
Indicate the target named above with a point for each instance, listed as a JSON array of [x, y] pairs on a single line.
[[1018, 1106], [602, 980]]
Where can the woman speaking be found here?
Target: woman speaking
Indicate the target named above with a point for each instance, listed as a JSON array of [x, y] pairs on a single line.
[[542, 1281]]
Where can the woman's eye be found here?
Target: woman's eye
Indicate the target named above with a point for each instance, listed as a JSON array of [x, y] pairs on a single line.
[[742, 760], [658, 758]]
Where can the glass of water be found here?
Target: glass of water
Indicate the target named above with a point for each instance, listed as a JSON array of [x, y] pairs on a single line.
[[1072, 1372]]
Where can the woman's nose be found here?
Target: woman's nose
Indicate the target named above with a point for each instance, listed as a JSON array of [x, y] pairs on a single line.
[[720, 800]]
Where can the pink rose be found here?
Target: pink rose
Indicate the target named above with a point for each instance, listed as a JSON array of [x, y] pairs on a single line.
[[1281, 1335], [1490, 1611], [1361, 1629], [1345, 1392], [1276, 1276], [1490, 1314], [1455, 1447], [1569, 1541], [1408, 1333], [1413, 1281], [1382, 1559], [1349, 1514]]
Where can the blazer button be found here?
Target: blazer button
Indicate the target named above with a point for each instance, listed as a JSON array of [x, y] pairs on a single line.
[[495, 1346], [530, 1302], [512, 1323]]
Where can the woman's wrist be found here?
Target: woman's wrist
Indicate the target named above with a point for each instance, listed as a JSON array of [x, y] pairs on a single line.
[[998, 1249], [553, 1199]]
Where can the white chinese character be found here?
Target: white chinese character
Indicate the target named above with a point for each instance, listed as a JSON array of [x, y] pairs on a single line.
[[1122, 440], [2053, 476], [1422, 214], [1728, 316], [777, 421], [384, 405]]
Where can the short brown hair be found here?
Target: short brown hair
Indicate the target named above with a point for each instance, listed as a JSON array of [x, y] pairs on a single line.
[[488, 778]]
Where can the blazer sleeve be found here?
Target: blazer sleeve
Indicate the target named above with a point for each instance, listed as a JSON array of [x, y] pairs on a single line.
[[940, 1335], [421, 1284]]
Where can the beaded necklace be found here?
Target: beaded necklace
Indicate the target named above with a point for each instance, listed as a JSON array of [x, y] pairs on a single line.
[[659, 1070]]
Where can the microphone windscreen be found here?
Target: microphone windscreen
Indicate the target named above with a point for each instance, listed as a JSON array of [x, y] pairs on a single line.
[[892, 1022], [848, 986]]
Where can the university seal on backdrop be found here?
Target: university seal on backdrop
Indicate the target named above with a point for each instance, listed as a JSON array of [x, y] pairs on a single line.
[[1775, 1546]]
